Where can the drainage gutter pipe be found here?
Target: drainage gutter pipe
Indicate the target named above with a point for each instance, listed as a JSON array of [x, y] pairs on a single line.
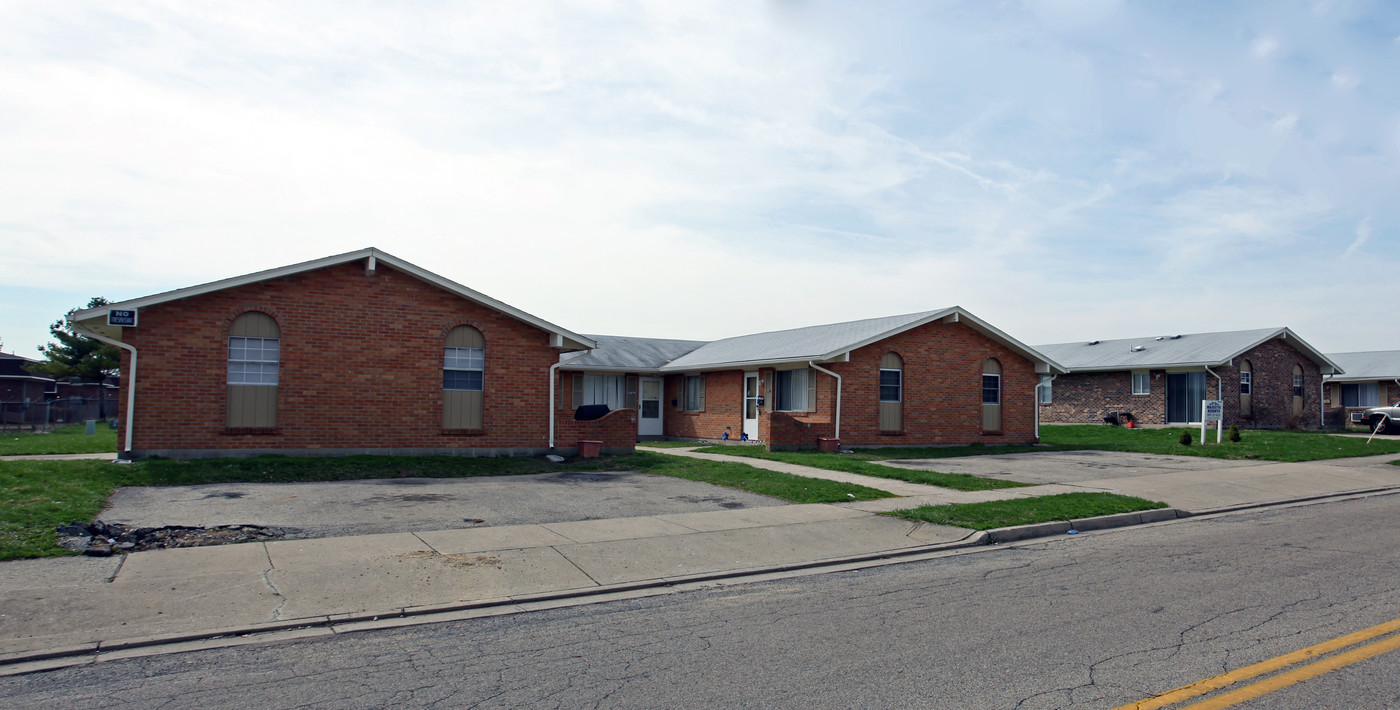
[[129, 377], [819, 368]]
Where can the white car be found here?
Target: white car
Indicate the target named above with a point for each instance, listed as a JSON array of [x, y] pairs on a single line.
[[1391, 415]]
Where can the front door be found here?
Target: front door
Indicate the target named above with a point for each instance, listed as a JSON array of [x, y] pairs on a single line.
[[649, 408], [751, 406], [1185, 392]]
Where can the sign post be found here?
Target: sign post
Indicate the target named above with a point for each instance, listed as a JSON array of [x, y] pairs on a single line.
[[1212, 410]]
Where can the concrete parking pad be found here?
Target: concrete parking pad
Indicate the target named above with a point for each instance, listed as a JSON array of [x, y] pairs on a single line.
[[1069, 466], [326, 509]]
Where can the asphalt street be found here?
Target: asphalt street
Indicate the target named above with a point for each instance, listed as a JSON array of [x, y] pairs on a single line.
[[1094, 620]]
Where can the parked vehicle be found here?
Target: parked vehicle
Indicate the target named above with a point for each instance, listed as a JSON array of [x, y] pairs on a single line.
[[1389, 415]]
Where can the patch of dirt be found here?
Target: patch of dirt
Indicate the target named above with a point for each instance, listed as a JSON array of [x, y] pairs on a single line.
[[463, 561]]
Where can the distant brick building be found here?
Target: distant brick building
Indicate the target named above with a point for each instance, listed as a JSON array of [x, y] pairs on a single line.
[[1369, 379], [1268, 379]]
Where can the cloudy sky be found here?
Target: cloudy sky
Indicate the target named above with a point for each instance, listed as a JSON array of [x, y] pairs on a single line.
[[1065, 170]]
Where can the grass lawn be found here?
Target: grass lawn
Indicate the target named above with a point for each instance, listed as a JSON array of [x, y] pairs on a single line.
[[1260, 444], [1024, 511], [38, 496], [860, 462], [62, 440]]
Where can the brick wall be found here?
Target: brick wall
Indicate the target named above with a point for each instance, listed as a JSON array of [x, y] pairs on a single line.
[[1387, 393], [616, 429], [361, 359], [1085, 398]]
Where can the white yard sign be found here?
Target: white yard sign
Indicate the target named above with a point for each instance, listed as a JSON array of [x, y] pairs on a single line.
[[1212, 410]]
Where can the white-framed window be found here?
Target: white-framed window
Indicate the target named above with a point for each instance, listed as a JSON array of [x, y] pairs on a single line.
[[1142, 383], [252, 361], [463, 369], [1246, 382], [1046, 395], [991, 389], [605, 389], [791, 390], [891, 385], [1361, 394], [694, 393]]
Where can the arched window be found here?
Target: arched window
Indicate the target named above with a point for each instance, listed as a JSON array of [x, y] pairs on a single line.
[[1246, 388], [891, 392], [254, 345], [463, 378], [991, 396]]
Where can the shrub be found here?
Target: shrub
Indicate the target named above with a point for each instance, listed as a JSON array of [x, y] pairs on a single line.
[[1233, 434], [1185, 438]]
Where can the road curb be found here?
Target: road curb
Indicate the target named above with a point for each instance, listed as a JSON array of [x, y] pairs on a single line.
[[50, 659]]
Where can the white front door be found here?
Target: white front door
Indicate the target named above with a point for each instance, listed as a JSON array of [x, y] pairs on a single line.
[[751, 406], [649, 408]]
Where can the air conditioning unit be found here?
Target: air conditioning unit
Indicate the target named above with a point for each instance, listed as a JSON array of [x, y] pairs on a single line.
[[1358, 417]]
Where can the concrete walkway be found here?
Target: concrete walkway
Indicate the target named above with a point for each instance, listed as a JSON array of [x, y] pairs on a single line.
[[66, 611], [60, 457]]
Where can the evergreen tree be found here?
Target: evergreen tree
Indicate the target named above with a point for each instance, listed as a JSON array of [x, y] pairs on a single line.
[[77, 356]]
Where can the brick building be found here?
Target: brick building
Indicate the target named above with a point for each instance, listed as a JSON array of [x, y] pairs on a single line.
[[355, 353], [1368, 379], [1268, 379], [22, 393], [930, 378], [365, 353]]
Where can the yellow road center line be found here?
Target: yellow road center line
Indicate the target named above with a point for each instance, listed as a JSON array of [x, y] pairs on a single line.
[[1298, 675], [1201, 687]]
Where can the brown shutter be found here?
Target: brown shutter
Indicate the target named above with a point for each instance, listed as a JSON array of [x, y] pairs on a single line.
[[702, 393], [631, 401], [578, 390], [811, 390]]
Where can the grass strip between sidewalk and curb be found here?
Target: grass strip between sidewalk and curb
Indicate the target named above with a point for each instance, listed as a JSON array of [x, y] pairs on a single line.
[[991, 515], [71, 439], [1268, 445], [38, 496], [861, 464]]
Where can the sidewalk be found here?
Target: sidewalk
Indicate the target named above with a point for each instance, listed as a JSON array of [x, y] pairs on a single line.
[[64, 611]]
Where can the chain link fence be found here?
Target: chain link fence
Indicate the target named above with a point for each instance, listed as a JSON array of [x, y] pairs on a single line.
[[44, 416]]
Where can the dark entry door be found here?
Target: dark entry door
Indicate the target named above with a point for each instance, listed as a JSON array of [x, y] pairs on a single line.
[[1185, 392]]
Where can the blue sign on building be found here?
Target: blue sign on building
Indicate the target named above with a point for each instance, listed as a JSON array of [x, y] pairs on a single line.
[[122, 318]]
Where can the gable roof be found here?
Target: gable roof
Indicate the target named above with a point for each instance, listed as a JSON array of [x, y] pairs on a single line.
[[1186, 350], [12, 368], [626, 354], [1371, 365], [95, 318], [821, 343]]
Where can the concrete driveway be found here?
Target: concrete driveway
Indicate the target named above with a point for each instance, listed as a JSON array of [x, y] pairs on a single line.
[[307, 510]]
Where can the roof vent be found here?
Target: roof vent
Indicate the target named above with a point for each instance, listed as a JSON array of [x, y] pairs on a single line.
[[1159, 338], [1093, 342], [1176, 337], [1137, 348]]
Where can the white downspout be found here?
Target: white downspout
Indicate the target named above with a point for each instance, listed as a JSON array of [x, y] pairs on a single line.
[[1321, 410], [130, 378], [1037, 403], [819, 368], [553, 370]]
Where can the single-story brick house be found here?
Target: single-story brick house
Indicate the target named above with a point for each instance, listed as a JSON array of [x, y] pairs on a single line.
[[1368, 379], [366, 353], [356, 353], [1267, 378], [929, 378]]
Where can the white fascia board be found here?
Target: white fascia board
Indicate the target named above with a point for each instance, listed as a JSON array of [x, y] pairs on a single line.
[[571, 340], [1042, 363], [31, 378], [745, 364], [1323, 362], [1172, 366], [595, 368]]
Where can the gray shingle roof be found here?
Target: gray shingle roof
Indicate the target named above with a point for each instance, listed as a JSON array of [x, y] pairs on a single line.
[[1373, 365], [1190, 349], [817, 342], [628, 354]]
